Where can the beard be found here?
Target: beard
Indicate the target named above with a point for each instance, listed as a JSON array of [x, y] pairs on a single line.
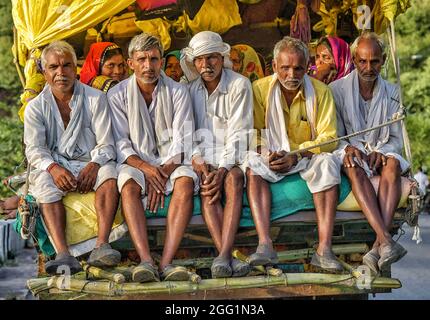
[[367, 77], [149, 79], [291, 84]]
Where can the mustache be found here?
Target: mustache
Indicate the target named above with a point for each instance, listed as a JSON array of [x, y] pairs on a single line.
[[61, 78], [206, 70]]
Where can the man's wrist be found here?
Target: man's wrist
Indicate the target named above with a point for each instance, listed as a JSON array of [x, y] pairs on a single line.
[[52, 166]]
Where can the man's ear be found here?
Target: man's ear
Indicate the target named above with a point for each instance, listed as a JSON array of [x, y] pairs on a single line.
[[274, 68], [130, 63]]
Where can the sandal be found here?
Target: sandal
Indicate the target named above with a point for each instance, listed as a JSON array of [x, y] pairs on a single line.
[[175, 273], [145, 272], [221, 268], [240, 268]]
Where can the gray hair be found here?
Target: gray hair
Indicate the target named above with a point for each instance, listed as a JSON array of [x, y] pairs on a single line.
[[291, 44], [144, 42], [60, 47], [367, 35]]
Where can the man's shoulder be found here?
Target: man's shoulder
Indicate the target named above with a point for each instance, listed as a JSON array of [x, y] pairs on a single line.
[[118, 89], [320, 87], [235, 78], [35, 104], [262, 84], [91, 92], [339, 84], [177, 87]]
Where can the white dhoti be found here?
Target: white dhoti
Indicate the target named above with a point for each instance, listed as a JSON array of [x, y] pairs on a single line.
[[321, 172], [354, 114], [126, 172], [43, 188]]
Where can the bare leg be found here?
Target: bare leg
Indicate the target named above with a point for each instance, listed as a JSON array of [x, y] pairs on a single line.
[[178, 217], [54, 215], [390, 190], [213, 216], [260, 199], [365, 195], [233, 186], [325, 207], [134, 214], [107, 198]]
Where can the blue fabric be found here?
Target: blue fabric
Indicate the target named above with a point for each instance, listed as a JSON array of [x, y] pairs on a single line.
[[289, 196]]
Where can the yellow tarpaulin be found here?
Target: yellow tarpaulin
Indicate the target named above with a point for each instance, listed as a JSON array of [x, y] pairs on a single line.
[[40, 22], [382, 12]]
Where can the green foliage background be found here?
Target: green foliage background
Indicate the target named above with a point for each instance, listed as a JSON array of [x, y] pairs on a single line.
[[10, 87], [413, 38], [413, 41]]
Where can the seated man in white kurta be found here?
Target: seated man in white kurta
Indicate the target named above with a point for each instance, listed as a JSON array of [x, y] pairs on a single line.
[[153, 125], [364, 100], [293, 111], [68, 138], [222, 102]]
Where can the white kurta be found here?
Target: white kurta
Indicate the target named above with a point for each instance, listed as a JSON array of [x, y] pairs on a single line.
[[155, 133], [224, 120], [353, 114], [88, 138]]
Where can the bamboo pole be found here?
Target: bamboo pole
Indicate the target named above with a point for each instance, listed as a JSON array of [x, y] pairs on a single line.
[[102, 274], [15, 58], [283, 256], [274, 272], [109, 288]]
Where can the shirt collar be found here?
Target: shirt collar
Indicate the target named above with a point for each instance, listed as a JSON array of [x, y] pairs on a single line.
[[222, 85]]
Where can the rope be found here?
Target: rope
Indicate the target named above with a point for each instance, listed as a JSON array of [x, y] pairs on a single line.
[[395, 118], [412, 214]]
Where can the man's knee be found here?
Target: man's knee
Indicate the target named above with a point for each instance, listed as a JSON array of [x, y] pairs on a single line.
[[391, 170], [185, 186], [110, 185], [355, 174], [234, 178], [131, 188]]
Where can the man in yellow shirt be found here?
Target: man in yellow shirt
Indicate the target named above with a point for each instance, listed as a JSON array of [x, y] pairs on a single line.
[[293, 111]]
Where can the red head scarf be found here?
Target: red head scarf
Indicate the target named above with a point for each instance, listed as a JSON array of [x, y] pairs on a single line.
[[94, 60], [342, 56]]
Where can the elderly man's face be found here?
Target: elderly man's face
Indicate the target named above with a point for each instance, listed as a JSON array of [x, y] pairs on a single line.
[[290, 66], [209, 66], [146, 65], [368, 60], [60, 72]]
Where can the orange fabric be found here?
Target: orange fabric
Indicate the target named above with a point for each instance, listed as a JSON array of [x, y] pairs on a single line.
[[92, 64]]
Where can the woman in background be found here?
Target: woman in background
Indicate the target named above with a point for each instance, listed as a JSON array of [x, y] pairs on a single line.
[[104, 66], [333, 59]]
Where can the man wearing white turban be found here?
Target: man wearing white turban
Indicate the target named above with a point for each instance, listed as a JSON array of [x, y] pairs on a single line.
[[222, 102]]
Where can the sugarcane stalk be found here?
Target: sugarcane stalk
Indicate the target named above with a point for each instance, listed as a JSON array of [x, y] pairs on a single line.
[[291, 255], [108, 288], [266, 270], [350, 268], [103, 274], [283, 256]]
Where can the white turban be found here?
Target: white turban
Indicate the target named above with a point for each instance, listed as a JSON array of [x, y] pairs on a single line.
[[205, 42]]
